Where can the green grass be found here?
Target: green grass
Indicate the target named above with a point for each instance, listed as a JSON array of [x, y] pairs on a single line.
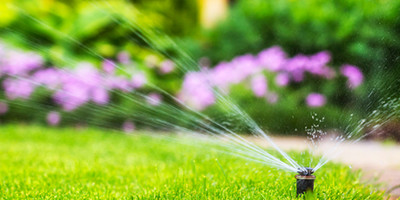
[[49, 163]]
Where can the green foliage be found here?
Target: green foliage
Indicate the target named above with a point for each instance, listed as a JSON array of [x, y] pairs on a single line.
[[47, 163], [358, 32], [288, 115], [362, 33], [88, 30], [355, 30], [176, 17]]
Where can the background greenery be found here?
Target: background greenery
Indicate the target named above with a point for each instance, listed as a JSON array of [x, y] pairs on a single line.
[[363, 33], [83, 162]]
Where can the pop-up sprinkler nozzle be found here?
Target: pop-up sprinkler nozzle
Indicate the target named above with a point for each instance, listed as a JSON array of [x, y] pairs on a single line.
[[305, 180]]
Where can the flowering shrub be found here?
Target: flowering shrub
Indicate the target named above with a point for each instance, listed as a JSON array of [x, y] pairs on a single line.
[[21, 73], [315, 100], [270, 76], [254, 70]]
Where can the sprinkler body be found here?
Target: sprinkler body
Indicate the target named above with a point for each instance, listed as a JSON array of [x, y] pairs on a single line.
[[305, 180]]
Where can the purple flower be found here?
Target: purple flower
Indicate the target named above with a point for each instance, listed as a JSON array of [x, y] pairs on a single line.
[[353, 74], [138, 80], [317, 65], [234, 72], [167, 66], [53, 118], [119, 83], [48, 77], [124, 57], [108, 66], [323, 58], [259, 85], [82, 85], [273, 58], [315, 100], [3, 108], [71, 96], [128, 126], [197, 91], [282, 79], [243, 66], [154, 99], [296, 67], [76, 87], [18, 88], [219, 77], [87, 74], [20, 63], [100, 95]]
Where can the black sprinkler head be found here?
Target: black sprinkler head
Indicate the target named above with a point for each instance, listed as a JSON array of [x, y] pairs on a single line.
[[306, 171], [305, 180]]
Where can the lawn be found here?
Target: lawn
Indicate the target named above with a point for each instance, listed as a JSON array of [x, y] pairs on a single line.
[[66, 163]]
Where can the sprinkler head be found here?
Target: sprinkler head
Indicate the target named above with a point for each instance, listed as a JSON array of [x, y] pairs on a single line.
[[306, 171], [305, 180]]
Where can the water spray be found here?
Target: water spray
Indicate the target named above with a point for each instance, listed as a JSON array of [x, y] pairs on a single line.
[[305, 180]]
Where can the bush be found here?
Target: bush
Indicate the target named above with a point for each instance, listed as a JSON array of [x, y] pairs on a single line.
[[351, 31], [89, 30], [362, 33], [81, 39], [284, 90]]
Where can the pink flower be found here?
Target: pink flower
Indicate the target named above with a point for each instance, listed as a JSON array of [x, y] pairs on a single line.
[[259, 85], [296, 66], [244, 66], [353, 74], [48, 77], [72, 95], [124, 57], [21, 63], [119, 83], [196, 91], [3, 108], [138, 80], [100, 96], [219, 75], [154, 99], [128, 126], [53, 118], [167, 66], [108, 66], [18, 88], [317, 65], [273, 58], [282, 79], [87, 74], [322, 58], [315, 100]]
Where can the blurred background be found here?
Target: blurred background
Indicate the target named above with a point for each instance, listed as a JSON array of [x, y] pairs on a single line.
[[281, 61]]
